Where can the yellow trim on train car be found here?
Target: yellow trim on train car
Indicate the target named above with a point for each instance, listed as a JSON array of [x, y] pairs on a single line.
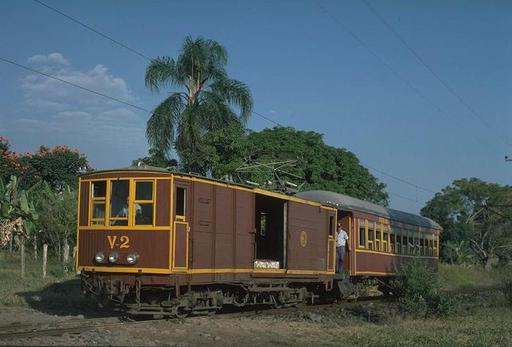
[[78, 223], [174, 267], [201, 271], [375, 273], [393, 255], [254, 190], [144, 270]]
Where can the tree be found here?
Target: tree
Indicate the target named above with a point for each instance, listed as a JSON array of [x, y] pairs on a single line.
[[204, 103], [59, 165], [156, 158], [322, 166], [476, 216]]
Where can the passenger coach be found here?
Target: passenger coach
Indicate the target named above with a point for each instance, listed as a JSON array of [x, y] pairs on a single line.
[[380, 238]]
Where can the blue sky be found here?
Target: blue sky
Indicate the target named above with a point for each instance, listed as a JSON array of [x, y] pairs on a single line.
[[303, 68]]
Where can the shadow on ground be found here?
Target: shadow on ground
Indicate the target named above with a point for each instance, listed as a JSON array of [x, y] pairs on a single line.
[[64, 299]]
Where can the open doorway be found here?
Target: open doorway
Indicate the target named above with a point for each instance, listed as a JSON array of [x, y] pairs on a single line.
[[271, 223]]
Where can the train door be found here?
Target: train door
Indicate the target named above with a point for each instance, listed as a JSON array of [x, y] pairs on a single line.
[[345, 218], [181, 227]]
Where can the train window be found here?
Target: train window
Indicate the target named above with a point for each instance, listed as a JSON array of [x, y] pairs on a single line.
[[119, 192], [371, 235], [99, 189], [144, 191], [98, 213], [378, 239], [143, 213], [385, 242], [392, 242], [143, 204], [181, 201], [331, 226], [98, 202], [362, 234], [422, 245], [398, 241]]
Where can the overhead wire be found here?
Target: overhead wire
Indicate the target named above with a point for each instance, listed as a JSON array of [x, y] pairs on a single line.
[[385, 63], [420, 59], [135, 51]]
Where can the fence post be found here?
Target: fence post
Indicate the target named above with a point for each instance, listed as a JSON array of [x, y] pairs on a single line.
[[22, 257], [45, 257], [66, 256], [35, 246]]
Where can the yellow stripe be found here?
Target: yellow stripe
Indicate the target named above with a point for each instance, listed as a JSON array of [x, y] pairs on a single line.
[[374, 273], [204, 271], [394, 255], [145, 270]]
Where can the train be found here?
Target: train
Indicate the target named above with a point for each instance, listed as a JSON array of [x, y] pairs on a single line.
[[162, 243]]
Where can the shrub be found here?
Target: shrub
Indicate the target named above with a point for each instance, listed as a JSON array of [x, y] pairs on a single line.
[[419, 291]]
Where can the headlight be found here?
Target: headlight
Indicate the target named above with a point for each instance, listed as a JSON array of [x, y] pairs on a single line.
[[113, 257], [132, 258], [99, 257]]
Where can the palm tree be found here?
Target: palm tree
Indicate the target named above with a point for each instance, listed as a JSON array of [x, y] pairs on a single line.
[[205, 101]]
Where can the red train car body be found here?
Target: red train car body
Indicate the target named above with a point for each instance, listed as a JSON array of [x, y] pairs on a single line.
[[165, 243]]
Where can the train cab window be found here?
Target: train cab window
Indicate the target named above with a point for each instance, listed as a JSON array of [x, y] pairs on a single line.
[[362, 234], [98, 202], [181, 201], [119, 193], [143, 204], [331, 226]]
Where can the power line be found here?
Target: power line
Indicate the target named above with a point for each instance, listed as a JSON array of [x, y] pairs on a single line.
[[88, 27], [452, 91], [110, 38], [73, 84], [400, 179], [24, 67], [383, 62]]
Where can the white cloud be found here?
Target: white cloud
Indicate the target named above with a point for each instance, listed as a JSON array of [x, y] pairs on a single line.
[[56, 112], [50, 59]]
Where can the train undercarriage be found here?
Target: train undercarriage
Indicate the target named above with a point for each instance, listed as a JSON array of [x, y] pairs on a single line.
[[135, 298]]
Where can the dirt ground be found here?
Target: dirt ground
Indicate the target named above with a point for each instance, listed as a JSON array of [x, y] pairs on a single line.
[[302, 326]]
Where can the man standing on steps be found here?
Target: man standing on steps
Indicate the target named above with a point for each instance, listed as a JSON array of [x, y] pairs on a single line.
[[341, 243]]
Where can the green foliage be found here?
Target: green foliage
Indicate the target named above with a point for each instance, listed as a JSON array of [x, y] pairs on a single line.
[[476, 218], [322, 166], [58, 219], [17, 202], [156, 158], [58, 166], [419, 291], [205, 103]]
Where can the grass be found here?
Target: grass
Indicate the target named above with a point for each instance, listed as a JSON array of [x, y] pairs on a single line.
[[15, 290], [484, 326], [461, 278]]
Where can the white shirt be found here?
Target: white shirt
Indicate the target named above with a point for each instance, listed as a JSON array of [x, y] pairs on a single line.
[[341, 239]]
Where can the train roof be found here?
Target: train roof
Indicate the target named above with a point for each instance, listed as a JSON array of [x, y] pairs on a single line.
[[148, 168], [345, 202]]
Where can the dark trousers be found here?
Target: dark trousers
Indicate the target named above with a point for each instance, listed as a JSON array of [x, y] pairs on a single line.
[[340, 255]]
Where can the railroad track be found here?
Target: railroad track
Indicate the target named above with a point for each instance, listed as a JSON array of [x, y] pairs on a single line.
[[77, 326], [25, 330]]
